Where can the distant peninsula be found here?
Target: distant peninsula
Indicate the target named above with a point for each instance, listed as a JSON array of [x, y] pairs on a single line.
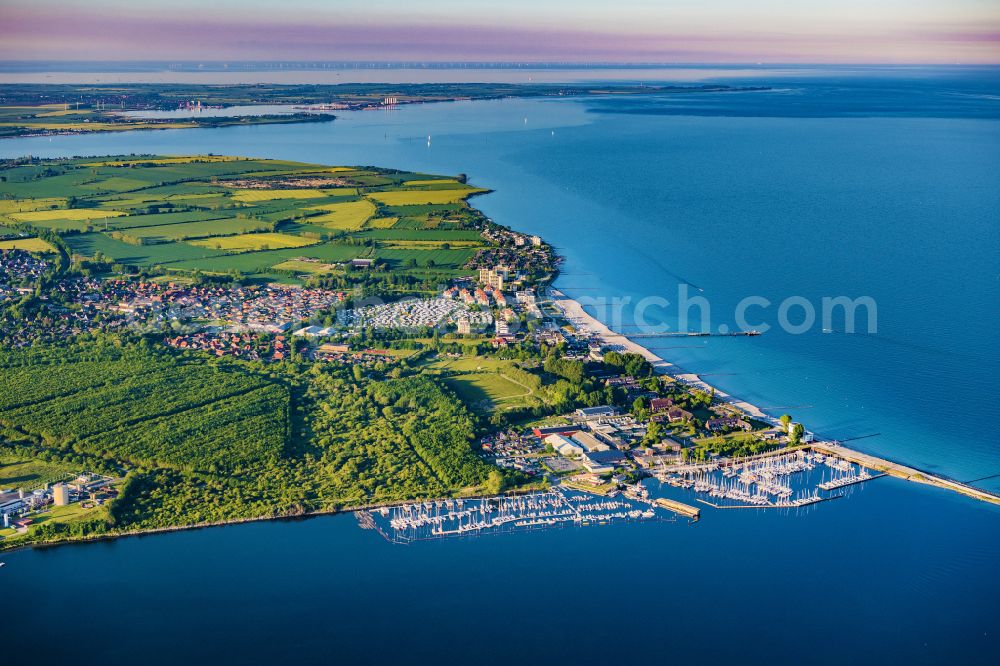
[[44, 109]]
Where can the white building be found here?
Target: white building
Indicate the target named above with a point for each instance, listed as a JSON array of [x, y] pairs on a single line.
[[563, 445], [589, 442]]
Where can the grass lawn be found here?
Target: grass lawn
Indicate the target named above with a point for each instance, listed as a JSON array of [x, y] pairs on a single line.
[[469, 363], [730, 438], [253, 242], [304, 266], [34, 473], [486, 389]]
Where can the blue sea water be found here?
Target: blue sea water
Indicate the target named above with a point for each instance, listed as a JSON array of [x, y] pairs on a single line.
[[849, 183]]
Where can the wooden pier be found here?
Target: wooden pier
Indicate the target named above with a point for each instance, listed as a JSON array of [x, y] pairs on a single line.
[[818, 500], [843, 483], [678, 507]]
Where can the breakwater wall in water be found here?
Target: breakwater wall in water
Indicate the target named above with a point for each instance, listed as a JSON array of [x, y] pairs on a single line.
[[904, 472]]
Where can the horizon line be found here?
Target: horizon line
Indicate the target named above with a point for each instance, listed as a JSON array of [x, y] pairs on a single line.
[[496, 63]]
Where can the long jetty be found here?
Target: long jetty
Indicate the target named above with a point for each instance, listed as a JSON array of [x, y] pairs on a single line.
[[904, 472]]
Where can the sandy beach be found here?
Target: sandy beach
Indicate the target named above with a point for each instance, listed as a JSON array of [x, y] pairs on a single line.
[[574, 312]]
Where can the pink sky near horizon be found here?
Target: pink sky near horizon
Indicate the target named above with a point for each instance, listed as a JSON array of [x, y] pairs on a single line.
[[632, 31]]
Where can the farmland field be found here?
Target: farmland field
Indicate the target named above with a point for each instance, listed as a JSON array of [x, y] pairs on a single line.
[[8, 206], [159, 219], [166, 160], [432, 182], [252, 242], [381, 223], [426, 244], [416, 197], [222, 215], [254, 262], [269, 195], [449, 235], [348, 216], [90, 244], [27, 244], [443, 258], [65, 214], [199, 229]]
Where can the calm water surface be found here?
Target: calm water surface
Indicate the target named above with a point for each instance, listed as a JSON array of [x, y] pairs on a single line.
[[826, 186]]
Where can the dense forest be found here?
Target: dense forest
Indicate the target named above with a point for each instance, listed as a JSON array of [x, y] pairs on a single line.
[[199, 439]]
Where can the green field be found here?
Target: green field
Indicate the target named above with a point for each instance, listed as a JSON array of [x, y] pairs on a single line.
[[486, 390], [440, 258], [449, 235], [417, 197], [254, 242], [18, 471], [90, 244], [197, 213], [67, 214], [185, 230], [299, 266], [255, 262]]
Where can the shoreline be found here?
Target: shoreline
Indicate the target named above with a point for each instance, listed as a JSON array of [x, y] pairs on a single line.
[[573, 311], [580, 318], [319, 513]]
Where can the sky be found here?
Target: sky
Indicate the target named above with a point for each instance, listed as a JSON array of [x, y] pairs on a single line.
[[660, 31]]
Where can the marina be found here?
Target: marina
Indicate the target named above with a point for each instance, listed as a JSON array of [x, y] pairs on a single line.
[[405, 523], [787, 480], [781, 481]]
